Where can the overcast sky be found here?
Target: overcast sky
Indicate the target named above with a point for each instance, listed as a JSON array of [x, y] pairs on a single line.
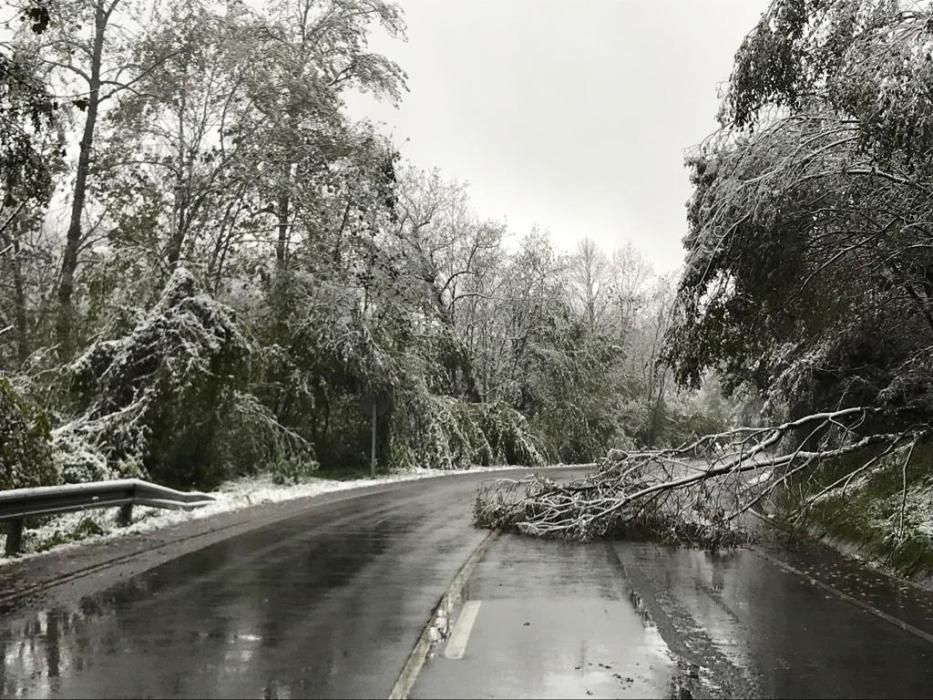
[[570, 114]]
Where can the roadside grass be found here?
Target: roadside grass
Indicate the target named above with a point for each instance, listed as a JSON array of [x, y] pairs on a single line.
[[886, 512], [68, 532]]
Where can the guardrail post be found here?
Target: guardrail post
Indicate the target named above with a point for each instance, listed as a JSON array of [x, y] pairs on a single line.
[[14, 537], [125, 515]]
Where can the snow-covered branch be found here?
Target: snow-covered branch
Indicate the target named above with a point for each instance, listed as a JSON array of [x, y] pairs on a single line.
[[693, 493]]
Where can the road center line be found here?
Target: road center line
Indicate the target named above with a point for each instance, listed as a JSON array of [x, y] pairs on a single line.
[[456, 645]]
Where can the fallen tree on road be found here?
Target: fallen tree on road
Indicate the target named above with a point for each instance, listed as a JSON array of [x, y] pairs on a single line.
[[695, 493]]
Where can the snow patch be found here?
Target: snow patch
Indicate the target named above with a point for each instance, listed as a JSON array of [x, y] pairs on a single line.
[[917, 511], [762, 478], [59, 534]]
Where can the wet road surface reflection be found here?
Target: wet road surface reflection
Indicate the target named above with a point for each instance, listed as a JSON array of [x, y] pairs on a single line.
[[330, 604], [557, 620], [713, 625], [757, 630]]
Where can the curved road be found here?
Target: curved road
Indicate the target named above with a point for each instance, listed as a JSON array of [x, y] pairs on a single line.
[[327, 598]]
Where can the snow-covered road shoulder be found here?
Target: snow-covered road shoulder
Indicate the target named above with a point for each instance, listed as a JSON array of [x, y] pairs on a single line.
[[78, 529], [252, 491]]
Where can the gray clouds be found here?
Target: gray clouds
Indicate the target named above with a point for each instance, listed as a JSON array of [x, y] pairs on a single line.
[[570, 115]]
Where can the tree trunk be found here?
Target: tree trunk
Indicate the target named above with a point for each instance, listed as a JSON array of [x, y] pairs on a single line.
[[282, 207], [19, 301], [180, 206], [65, 323]]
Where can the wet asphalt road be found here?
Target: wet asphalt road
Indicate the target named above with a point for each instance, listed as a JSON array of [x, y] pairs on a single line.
[[330, 603], [325, 604], [618, 620]]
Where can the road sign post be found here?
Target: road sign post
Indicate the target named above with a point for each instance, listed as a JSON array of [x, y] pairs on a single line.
[[372, 461]]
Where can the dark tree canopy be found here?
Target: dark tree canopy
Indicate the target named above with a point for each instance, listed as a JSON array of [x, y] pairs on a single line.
[[251, 280], [810, 250]]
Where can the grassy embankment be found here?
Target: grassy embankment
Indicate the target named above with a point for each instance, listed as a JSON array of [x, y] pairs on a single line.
[[884, 514]]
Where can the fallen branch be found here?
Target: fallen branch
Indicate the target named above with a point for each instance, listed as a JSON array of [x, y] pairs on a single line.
[[694, 493]]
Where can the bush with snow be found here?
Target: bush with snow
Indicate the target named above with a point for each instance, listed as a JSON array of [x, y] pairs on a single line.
[[78, 460], [169, 396], [25, 442], [251, 440], [446, 432]]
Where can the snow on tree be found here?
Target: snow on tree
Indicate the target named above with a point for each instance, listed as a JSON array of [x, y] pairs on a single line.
[[161, 401], [25, 442]]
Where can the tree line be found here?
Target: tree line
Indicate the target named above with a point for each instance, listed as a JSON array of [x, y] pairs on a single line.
[[807, 286], [208, 268]]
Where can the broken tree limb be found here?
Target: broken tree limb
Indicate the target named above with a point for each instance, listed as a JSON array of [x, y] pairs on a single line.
[[690, 494]]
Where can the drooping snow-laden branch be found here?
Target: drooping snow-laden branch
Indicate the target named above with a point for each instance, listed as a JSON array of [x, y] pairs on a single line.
[[694, 493]]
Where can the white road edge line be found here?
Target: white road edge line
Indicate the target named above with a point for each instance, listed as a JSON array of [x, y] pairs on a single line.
[[417, 657], [456, 645], [897, 622]]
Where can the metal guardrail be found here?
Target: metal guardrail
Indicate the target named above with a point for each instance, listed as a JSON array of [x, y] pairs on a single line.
[[18, 504]]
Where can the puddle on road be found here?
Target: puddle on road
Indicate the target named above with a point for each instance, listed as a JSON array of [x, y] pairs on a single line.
[[46, 653], [615, 652], [557, 620]]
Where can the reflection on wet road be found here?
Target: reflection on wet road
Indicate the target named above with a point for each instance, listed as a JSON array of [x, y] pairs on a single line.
[[755, 629], [331, 603], [327, 604], [712, 625], [556, 621]]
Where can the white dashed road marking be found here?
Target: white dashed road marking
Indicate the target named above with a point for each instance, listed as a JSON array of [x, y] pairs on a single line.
[[457, 643]]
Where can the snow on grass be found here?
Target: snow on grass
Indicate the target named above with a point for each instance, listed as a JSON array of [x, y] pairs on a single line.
[[762, 478], [917, 510], [71, 530]]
